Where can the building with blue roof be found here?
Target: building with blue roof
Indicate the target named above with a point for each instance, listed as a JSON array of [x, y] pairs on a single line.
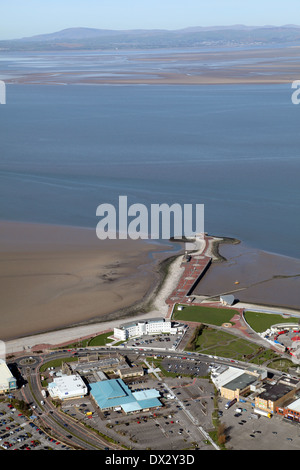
[[114, 393]]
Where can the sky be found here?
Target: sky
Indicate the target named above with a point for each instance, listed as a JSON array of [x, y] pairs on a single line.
[[22, 18]]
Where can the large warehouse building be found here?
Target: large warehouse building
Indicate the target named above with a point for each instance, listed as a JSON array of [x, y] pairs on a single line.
[[253, 386], [67, 386], [115, 394], [233, 382]]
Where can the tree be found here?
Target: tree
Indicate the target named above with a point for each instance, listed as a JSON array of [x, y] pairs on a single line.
[[221, 434]]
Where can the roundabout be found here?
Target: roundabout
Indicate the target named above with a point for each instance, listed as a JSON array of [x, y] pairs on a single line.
[[28, 361]]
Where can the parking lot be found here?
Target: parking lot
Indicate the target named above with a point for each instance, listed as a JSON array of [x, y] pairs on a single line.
[[246, 433], [162, 429], [186, 366], [79, 408], [165, 428], [18, 432]]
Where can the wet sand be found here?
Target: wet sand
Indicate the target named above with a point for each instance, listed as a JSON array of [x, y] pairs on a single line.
[[264, 278], [52, 277], [209, 67]]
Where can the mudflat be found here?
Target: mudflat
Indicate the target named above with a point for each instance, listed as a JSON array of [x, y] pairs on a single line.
[[54, 277], [259, 65]]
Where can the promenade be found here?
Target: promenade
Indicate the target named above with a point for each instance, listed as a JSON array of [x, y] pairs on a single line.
[[193, 267]]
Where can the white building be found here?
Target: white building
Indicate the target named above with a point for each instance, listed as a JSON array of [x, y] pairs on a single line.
[[221, 375], [7, 381], [227, 299], [144, 327], [67, 386]]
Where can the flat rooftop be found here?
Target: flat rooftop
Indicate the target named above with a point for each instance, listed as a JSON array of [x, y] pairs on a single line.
[[146, 320], [241, 382], [294, 406], [115, 393], [275, 392]]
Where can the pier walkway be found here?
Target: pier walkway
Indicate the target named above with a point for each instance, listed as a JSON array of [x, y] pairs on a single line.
[[195, 266]]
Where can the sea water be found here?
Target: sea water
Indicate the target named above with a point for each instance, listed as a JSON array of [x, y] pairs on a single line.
[[234, 148]]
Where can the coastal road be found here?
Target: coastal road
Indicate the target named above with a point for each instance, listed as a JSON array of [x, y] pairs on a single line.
[[61, 426]]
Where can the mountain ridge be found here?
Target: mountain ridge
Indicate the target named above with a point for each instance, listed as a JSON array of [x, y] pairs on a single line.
[[196, 36], [76, 32]]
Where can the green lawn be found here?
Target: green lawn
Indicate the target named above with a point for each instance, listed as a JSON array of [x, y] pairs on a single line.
[[220, 343], [57, 362], [209, 315], [284, 365], [100, 340], [260, 322]]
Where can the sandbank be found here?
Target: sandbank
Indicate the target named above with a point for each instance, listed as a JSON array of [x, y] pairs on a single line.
[[188, 67]]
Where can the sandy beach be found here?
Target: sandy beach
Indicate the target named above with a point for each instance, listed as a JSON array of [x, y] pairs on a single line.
[[54, 277]]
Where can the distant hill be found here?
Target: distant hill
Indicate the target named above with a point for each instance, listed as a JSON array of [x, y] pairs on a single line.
[[92, 38], [82, 33]]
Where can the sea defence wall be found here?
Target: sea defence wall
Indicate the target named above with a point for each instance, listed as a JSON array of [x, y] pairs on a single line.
[[194, 270]]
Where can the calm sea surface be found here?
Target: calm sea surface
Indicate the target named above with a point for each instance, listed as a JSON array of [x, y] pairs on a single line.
[[66, 149]]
